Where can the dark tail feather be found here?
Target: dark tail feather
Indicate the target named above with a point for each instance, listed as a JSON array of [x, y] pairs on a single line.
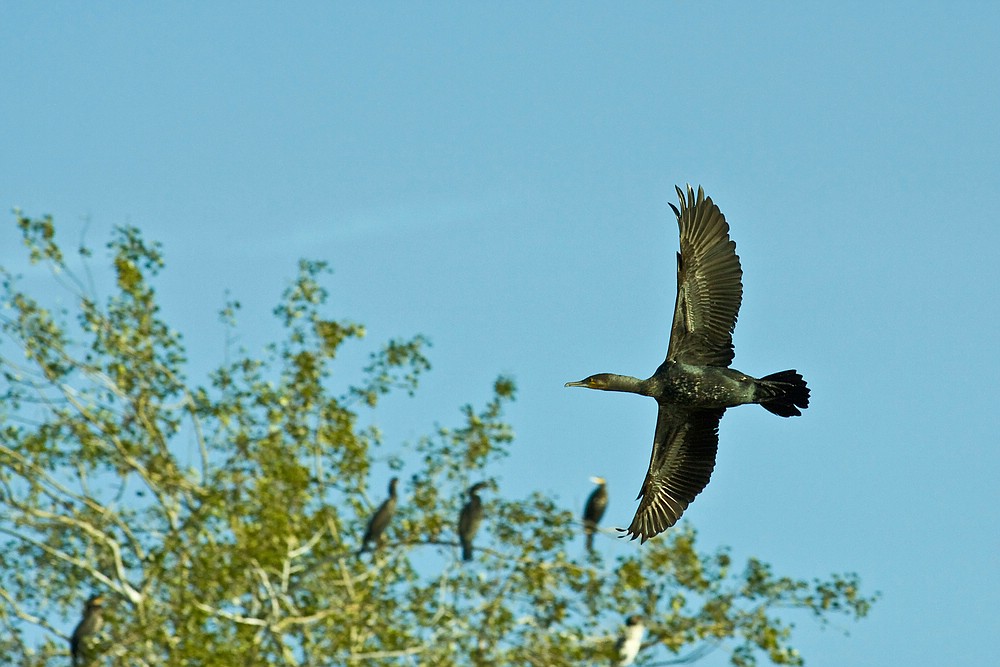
[[466, 550], [589, 528], [783, 393]]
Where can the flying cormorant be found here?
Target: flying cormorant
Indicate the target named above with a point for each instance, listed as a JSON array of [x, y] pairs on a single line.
[[629, 641], [469, 519], [380, 520], [694, 385], [88, 626], [593, 511]]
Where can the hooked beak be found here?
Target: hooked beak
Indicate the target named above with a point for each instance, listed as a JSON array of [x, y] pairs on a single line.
[[581, 383]]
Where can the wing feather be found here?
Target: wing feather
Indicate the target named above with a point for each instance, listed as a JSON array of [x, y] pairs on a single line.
[[709, 285], [680, 466]]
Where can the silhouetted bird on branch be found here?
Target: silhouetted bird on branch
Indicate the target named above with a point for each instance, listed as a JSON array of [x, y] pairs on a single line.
[[694, 385], [80, 647], [469, 519], [593, 511], [629, 641], [380, 520]]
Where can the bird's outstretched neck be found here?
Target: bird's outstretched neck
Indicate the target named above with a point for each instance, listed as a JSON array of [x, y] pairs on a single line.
[[614, 382]]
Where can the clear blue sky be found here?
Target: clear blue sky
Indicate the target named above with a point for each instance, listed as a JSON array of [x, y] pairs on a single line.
[[497, 177]]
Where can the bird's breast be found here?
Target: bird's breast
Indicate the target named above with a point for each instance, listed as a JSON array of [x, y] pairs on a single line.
[[704, 386]]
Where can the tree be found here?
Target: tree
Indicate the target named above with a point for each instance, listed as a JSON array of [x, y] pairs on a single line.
[[241, 547]]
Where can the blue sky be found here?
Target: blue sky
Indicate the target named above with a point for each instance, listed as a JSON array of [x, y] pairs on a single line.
[[497, 178]]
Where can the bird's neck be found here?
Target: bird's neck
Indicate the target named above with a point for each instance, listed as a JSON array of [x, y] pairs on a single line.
[[614, 382]]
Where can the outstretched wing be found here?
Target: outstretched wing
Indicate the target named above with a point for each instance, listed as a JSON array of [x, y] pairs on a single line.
[[709, 285], [681, 464]]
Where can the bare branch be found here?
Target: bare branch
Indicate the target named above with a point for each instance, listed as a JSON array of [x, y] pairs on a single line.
[[30, 618], [235, 618], [124, 589], [376, 655]]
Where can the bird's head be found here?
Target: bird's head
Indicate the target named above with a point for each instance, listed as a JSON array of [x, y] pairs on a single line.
[[600, 481], [599, 381], [478, 486], [95, 601]]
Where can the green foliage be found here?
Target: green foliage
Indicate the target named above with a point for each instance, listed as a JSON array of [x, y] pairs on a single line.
[[241, 548]]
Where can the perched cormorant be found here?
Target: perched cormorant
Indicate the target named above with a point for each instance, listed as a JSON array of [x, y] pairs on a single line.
[[629, 641], [694, 385], [469, 519], [593, 511], [88, 626], [380, 520]]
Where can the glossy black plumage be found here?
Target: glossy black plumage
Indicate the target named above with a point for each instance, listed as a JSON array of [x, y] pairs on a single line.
[[89, 625], [469, 519], [594, 509], [694, 385], [380, 520]]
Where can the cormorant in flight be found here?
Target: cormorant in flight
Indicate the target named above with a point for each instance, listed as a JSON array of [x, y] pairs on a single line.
[[469, 519], [694, 385], [380, 520], [593, 511], [89, 625]]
